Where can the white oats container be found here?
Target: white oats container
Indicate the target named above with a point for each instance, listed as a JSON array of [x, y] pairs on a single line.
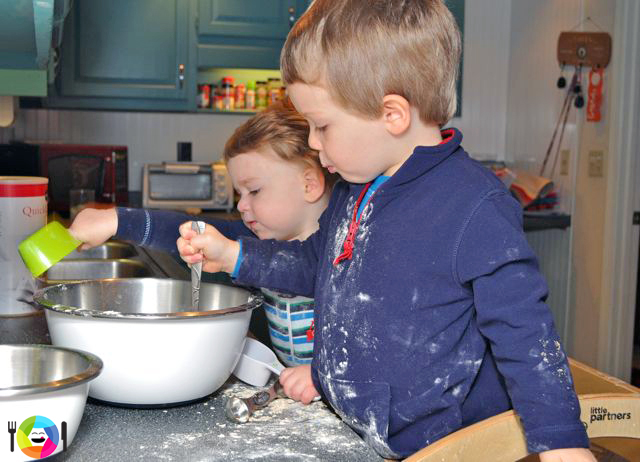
[[23, 211]]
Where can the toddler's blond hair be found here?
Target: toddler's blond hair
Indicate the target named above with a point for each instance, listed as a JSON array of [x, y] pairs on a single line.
[[360, 51]]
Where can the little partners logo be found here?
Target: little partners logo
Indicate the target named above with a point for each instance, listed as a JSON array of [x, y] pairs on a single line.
[[601, 413], [37, 437]]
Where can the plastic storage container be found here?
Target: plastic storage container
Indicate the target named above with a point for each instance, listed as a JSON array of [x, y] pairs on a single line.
[[23, 210]]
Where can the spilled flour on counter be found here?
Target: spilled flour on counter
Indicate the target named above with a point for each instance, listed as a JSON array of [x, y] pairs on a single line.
[[284, 430]]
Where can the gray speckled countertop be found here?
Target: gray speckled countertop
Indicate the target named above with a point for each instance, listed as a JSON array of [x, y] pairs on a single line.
[[284, 431]]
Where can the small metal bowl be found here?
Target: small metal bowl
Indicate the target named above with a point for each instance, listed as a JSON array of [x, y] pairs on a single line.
[[43, 392], [31, 369]]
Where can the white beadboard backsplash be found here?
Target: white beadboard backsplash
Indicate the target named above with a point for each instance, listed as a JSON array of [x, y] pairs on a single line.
[[150, 137]]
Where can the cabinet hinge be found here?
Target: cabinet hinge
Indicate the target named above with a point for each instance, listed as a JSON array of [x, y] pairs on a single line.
[[636, 218]]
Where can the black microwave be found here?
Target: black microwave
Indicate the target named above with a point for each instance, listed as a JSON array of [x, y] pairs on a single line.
[[102, 168]]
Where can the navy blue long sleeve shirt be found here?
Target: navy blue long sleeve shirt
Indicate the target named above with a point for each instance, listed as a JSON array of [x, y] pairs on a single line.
[[438, 320]]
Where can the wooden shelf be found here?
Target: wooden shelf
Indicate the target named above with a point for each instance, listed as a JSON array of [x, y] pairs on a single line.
[[235, 111]]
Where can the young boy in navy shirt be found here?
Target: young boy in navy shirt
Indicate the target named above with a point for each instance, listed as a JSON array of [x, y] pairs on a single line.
[[430, 310]]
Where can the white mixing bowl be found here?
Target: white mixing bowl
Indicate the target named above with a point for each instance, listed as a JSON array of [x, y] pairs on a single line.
[[157, 351], [43, 391]]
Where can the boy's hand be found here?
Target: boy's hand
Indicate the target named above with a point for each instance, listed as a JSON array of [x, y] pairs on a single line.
[[94, 226], [216, 252], [567, 455], [297, 384]]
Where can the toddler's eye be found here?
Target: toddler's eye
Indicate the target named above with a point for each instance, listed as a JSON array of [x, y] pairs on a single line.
[[254, 192], [321, 129]]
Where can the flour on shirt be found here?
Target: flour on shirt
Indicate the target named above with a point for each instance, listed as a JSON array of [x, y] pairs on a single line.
[[513, 253], [552, 366], [364, 297]]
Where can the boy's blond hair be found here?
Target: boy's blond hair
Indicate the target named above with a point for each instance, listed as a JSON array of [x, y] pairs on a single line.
[[279, 127], [360, 51]]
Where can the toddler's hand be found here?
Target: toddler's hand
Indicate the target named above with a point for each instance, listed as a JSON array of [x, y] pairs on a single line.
[[216, 252], [567, 455], [94, 226], [297, 383]]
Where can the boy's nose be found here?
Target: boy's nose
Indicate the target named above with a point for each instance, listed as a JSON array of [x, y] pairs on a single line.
[[243, 204], [314, 143]]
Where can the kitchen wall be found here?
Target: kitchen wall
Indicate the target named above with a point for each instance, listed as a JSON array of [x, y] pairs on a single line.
[[534, 103], [533, 108], [152, 137], [589, 217]]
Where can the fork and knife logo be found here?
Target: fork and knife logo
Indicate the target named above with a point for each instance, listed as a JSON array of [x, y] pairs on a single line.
[[12, 428]]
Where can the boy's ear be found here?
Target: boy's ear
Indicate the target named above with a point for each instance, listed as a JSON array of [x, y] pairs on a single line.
[[314, 184], [396, 114]]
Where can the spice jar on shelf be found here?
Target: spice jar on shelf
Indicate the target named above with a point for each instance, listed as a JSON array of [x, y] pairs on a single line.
[[239, 96], [204, 95], [274, 90], [227, 96], [250, 97], [217, 102], [261, 94]]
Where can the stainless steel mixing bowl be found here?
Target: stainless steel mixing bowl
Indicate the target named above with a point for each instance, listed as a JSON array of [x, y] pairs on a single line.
[[145, 298], [157, 349]]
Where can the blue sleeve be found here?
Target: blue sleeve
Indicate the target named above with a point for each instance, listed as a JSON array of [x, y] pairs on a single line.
[[286, 266], [158, 229], [496, 262]]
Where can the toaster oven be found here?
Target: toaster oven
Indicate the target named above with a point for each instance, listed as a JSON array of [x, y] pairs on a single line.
[[184, 185]]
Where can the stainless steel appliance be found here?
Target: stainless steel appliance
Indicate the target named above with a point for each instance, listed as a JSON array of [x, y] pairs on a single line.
[[185, 185]]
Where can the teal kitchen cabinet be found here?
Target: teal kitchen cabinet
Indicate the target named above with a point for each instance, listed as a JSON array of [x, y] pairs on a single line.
[[29, 32], [123, 54], [244, 33]]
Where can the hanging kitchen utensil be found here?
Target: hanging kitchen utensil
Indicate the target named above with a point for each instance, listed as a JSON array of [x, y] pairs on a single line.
[[196, 270], [562, 82], [562, 119]]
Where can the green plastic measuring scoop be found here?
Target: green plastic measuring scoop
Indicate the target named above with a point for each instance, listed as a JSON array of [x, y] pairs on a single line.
[[46, 247]]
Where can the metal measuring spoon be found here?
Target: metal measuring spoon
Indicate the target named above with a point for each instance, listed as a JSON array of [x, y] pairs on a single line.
[[239, 410], [196, 270]]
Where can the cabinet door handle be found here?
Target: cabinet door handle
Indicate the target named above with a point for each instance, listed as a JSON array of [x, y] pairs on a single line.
[[180, 76], [292, 16]]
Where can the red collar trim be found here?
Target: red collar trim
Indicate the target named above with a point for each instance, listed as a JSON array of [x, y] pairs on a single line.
[[447, 135]]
